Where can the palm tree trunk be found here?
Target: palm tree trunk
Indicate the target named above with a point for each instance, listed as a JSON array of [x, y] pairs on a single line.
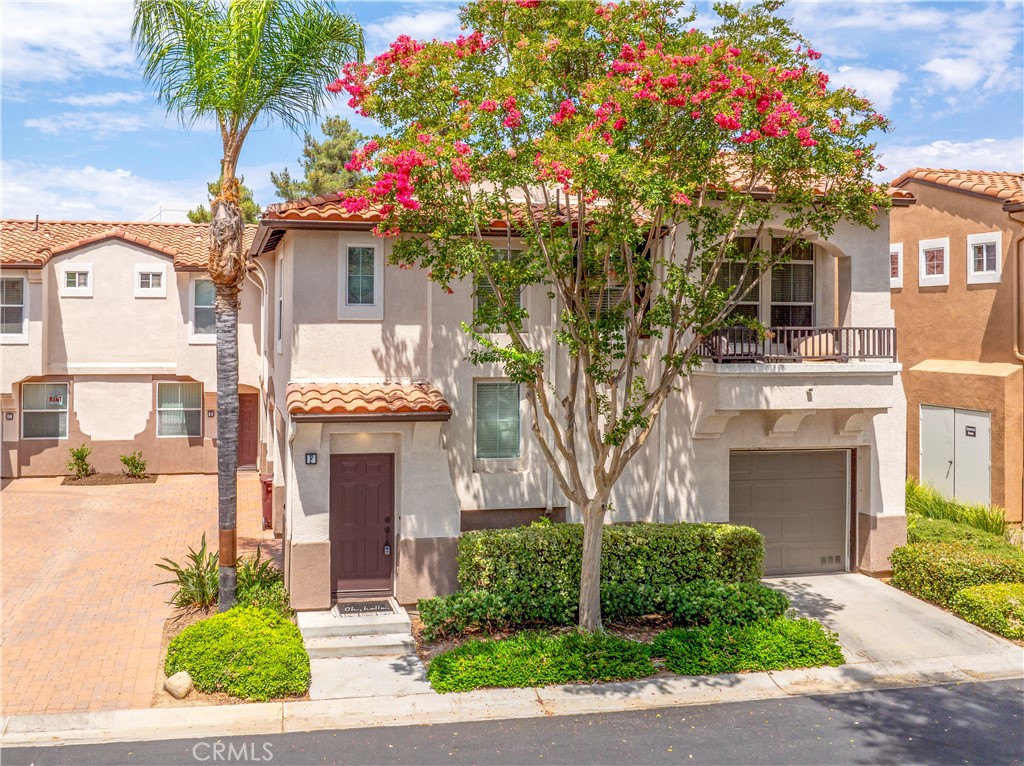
[[590, 579]]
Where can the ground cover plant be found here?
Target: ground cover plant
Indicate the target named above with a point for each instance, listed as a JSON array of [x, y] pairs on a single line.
[[924, 500], [924, 529], [998, 607], [936, 572]]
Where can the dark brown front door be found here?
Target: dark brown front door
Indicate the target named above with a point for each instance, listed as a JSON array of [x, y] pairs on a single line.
[[248, 428], [362, 522]]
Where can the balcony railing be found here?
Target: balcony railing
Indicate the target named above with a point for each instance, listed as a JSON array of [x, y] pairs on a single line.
[[800, 344]]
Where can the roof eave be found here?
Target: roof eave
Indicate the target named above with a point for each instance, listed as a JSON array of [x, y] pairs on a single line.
[[368, 417]]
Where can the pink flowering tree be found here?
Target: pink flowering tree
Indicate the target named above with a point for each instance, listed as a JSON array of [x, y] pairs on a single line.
[[619, 154]]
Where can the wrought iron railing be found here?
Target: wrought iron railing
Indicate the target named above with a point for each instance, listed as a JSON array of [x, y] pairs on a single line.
[[800, 344]]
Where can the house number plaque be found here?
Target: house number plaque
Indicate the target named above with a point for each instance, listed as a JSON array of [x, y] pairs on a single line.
[[310, 458], [971, 430]]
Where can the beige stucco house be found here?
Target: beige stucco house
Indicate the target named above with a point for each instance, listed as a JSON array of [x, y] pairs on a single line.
[[386, 442], [108, 340], [957, 279]]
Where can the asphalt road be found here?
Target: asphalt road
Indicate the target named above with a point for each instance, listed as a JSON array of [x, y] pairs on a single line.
[[978, 723]]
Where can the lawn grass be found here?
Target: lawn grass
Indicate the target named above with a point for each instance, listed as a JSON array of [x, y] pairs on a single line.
[[924, 500]]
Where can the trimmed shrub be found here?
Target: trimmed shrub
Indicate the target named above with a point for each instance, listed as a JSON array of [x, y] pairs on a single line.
[[771, 645], [78, 463], [999, 608], [707, 602], [134, 465], [922, 529], [925, 500], [936, 571], [251, 653], [535, 659]]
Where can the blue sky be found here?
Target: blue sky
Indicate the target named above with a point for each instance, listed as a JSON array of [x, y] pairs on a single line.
[[82, 137]]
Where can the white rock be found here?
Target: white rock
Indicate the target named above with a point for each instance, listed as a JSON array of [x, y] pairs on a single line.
[[179, 685]]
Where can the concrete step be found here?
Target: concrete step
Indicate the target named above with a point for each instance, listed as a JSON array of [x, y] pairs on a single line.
[[327, 624], [389, 645]]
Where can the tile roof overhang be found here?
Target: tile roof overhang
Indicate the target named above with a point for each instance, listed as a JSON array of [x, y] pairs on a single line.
[[354, 402], [1001, 186]]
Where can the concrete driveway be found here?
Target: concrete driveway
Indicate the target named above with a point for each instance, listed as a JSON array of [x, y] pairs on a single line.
[[878, 623], [82, 618]]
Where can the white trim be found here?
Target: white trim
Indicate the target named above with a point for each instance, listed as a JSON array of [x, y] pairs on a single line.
[[21, 338], [119, 365], [150, 292], [375, 311], [279, 304], [984, 277], [194, 338], [897, 281], [66, 410], [934, 280], [74, 292]]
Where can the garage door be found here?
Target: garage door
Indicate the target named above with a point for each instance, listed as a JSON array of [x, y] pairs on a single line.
[[797, 500]]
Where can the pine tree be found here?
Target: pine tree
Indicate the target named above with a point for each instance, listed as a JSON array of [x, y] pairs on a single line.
[[323, 162]]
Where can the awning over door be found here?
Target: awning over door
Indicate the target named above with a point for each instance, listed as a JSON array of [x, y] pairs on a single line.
[[367, 401]]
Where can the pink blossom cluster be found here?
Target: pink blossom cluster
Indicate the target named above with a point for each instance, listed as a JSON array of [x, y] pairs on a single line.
[[565, 110], [360, 159], [513, 117]]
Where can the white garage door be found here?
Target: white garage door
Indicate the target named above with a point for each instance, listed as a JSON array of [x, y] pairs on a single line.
[[798, 501]]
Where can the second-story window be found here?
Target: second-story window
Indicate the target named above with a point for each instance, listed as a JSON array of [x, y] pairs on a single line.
[[934, 262], [484, 292], [793, 287], [74, 280], [12, 307], [896, 265], [150, 281], [204, 316], [730, 279], [361, 282], [984, 256]]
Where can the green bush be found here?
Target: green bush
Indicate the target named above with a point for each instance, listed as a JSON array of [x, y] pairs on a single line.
[[197, 581], [254, 654], [708, 602], [925, 500], [922, 529], [998, 607], [936, 571], [535, 659], [134, 465], [771, 645], [78, 463]]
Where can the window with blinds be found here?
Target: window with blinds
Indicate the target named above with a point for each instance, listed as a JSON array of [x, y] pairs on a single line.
[[179, 408], [12, 306], [731, 281], [486, 299], [792, 295], [44, 410], [497, 420]]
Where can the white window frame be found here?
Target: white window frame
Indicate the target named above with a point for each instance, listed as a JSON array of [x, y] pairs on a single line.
[[202, 338], [156, 408], [497, 464], [20, 337], [370, 312], [74, 268], [279, 305], [66, 410], [896, 248], [150, 292], [985, 277], [933, 280]]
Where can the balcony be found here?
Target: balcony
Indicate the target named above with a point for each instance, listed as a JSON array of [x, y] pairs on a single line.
[[781, 345]]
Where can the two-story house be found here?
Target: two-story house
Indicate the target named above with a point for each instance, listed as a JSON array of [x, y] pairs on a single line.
[[957, 279], [108, 340], [387, 442]]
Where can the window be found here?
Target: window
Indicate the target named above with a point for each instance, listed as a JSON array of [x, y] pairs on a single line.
[[497, 420], [484, 292], [728, 280], [75, 280], [934, 262], [984, 257], [793, 286], [204, 316], [361, 285], [179, 409], [44, 410], [150, 281], [12, 308], [896, 265]]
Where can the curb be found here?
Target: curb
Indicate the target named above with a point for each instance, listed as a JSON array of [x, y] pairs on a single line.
[[491, 704]]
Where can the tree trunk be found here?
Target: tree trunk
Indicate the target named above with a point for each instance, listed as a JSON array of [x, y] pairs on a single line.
[[590, 576]]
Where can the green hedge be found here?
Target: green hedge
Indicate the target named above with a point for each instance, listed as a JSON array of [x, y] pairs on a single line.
[[998, 607], [534, 659], [771, 645], [937, 572], [246, 652], [922, 529]]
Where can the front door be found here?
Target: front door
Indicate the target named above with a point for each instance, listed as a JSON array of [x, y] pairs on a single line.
[[248, 429], [362, 522]]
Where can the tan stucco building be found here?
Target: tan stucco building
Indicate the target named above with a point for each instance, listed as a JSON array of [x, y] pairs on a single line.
[[957, 277]]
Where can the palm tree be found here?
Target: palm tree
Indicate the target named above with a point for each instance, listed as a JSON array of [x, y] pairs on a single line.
[[238, 63]]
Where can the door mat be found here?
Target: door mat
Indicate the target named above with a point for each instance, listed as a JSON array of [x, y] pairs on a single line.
[[353, 608]]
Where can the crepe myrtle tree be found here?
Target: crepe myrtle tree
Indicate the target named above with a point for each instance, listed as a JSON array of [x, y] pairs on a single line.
[[625, 153]]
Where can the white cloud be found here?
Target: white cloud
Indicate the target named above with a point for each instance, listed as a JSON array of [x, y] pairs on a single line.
[[878, 85], [86, 192], [97, 124], [437, 22], [103, 99], [981, 154], [57, 42], [978, 50]]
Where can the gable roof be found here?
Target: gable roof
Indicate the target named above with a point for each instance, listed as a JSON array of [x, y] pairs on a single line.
[[1004, 186], [31, 244]]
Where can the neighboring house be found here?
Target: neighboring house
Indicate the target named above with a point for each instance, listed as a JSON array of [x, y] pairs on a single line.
[[108, 340], [387, 442], [957, 284]]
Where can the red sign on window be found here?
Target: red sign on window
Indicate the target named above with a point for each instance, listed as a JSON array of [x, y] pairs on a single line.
[[56, 399]]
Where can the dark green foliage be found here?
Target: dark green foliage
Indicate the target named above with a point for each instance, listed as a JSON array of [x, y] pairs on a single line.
[[923, 529], [323, 162], [196, 581], [78, 463], [707, 602], [923, 500], [255, 654], [998, 607], [936, 571], [251, 209], [771, 645], [134, 465], [261, 584], [535, 659]]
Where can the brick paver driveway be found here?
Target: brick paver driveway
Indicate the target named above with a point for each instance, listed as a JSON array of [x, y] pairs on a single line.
[[82, 620]]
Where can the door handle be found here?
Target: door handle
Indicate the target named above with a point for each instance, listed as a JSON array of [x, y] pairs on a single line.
[[387, 549]]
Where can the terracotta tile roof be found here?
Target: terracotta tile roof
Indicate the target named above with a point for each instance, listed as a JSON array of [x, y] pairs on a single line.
[[367, 400], [1005, 186], [23, 243]]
